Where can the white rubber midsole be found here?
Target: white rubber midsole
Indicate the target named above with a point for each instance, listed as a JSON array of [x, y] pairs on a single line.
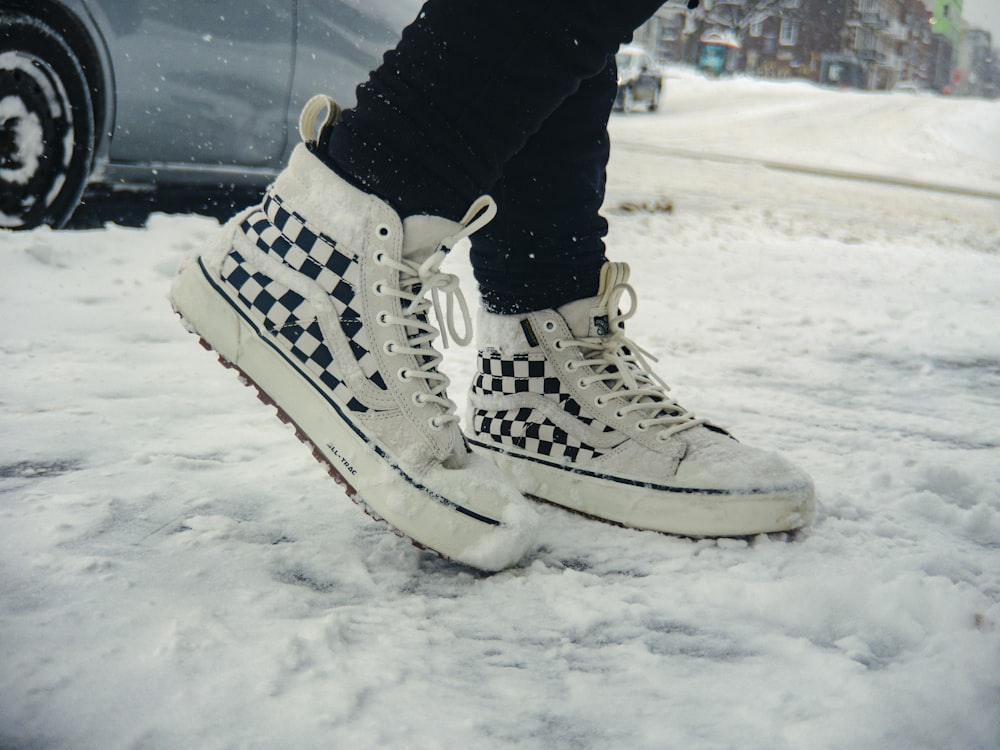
[[688, 512], [400, 499]]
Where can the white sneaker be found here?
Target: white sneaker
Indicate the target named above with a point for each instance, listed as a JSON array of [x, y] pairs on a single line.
[[320, 297], [570, 410]]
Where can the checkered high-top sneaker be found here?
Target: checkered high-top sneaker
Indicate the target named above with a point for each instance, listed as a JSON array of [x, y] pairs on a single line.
[[320, 297], [570, 410]]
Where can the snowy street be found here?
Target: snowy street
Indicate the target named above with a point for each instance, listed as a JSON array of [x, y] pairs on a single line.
[[818, 271]]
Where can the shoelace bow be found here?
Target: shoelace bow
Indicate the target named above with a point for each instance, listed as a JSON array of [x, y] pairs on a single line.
[[623, 366], [421, 287]]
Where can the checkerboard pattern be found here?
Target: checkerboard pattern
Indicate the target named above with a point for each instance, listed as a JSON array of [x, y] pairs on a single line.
[[528, 430], [525, 428], [283, 233], [519, 374], [285, 313]]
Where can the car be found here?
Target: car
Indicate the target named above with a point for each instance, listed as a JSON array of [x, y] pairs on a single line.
[[141, 94], [640, 82], [907, 87]]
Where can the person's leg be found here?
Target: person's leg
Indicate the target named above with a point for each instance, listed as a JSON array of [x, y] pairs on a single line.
[[321, 295], [466, 88], [546, 246], [321, 298], [562, 401], [572, 412]]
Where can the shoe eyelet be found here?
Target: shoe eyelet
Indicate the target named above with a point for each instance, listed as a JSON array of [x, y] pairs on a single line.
[[378, 256], [569, 366], [383, 319], [418, 399], [619, 415], [641, 425], [389, 347], [600, 402], [383, 231], [403, 374], [558, 345], [377, 289], [549, 325], [581, 383]]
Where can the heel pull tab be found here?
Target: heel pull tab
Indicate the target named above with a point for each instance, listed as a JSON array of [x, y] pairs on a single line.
[[309, 125], [613, 274]]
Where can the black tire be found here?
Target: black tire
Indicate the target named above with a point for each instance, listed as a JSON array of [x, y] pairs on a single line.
[[46, 125], [654, 102], [628, 100]]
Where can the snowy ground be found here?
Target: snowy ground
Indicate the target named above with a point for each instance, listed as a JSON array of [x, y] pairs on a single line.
[[177, 572]]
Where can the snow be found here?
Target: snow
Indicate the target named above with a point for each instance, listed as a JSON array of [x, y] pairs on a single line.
[[179, 572]]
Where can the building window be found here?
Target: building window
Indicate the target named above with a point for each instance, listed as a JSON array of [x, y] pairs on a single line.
[[791, 3], [789, 33], [757, 28]]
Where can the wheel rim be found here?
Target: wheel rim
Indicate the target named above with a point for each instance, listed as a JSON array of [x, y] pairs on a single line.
[[36, 137]]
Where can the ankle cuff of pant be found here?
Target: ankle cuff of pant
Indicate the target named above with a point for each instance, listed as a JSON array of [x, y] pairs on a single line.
[[543, 273], [514, 297], [375, 167]]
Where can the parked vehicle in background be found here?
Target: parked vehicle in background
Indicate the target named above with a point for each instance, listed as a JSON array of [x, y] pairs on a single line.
[[139, 94], [640, 82]]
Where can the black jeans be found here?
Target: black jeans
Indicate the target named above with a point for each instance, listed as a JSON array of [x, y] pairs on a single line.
[[510, 98]]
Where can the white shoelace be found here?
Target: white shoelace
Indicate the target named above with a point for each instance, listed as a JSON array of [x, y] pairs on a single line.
[[624, 368], [415, 281], [421, 286]]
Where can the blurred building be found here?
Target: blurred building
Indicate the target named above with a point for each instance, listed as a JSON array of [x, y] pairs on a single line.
[[892, 40], [663, 35], [793, 38], [872, 44], [978, 65], [916, 55], [946, 23]]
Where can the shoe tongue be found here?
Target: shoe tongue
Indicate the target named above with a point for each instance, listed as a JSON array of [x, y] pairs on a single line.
[[591, 317], [422, 235], [586, 318]]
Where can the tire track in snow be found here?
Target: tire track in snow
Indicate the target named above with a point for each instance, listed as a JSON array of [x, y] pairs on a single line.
[[843, 174]]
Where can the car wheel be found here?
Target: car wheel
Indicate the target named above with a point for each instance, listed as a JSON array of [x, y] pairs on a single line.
[[46, 125], [628, 100], [654, 100]]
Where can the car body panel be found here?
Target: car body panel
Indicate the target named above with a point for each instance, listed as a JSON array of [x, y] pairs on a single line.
[[209, 91], [338, 44], [202, 82]]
